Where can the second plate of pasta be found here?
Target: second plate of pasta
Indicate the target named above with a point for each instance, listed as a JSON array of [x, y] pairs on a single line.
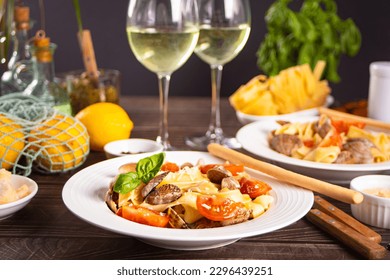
[[254, 138]]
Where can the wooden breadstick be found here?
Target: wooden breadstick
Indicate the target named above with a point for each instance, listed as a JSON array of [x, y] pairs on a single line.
[[350, 117], [334, 191]]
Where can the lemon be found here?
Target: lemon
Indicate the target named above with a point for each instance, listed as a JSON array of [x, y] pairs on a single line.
[[61, 141], [105, 122], [11, 142]]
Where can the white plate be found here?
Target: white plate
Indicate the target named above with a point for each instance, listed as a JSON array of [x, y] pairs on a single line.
[[84, 195], [254, 138], [246, 118]]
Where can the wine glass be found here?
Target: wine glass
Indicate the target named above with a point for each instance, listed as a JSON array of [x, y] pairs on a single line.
[[224, 31], [162, 35]]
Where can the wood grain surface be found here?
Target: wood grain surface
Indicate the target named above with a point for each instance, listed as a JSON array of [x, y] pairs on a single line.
[[46, 229]]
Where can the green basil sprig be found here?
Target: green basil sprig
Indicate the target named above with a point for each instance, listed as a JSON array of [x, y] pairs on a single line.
[[314, 32], [146, 169]]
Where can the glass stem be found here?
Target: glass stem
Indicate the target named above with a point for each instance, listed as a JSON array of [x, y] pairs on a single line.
[[163, 86], [215, 131]]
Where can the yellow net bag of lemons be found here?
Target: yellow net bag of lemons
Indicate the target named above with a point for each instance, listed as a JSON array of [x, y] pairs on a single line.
[[33, 135]]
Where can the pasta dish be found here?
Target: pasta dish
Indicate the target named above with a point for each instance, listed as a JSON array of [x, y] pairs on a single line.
[[159, 193], [330, 140]]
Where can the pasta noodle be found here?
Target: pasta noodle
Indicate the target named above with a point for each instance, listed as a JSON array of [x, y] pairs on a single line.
[[203, 199], [293, 89], [330, 140]]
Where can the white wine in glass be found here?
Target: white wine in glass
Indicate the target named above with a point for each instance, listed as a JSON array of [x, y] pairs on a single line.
[[162, 35], [224, 31]]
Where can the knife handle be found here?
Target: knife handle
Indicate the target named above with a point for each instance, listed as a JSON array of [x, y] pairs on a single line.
[[347, 235], [331, 210]]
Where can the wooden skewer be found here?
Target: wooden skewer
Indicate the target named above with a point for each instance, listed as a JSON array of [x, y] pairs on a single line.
[[88, 53], [368, 248], [331, 210], [334, 191], [350, 117]]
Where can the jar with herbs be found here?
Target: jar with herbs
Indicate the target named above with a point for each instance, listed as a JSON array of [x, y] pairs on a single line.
[[85, 90]]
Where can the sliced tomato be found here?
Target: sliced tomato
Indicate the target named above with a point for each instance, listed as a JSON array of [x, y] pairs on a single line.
[[144, 216], [343, 126], [333, 140], [308, 143], [170, 166], [217, 208], [233, 168], [253, 187]]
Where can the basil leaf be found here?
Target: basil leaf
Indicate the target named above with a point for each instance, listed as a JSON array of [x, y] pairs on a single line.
[[148, 167], [127, 182], [313, 31]]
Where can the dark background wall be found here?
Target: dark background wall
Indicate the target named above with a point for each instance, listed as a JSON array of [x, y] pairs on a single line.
[[107, 19]]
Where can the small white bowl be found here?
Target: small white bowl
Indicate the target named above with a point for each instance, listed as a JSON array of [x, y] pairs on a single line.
[[131, 147], [374, 210], [8, 209]]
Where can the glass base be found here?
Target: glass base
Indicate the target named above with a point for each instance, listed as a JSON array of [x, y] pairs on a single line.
[[201, 142], [166, 145]]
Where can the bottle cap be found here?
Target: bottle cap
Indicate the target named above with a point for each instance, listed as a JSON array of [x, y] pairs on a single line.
[[380, 69], [22, 17], [42, 47]]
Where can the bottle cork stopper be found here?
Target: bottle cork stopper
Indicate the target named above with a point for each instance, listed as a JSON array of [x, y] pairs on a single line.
[[22, 17], [42, 44]]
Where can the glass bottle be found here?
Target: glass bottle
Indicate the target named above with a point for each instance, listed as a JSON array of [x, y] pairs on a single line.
[[43, 85], [20, 73]]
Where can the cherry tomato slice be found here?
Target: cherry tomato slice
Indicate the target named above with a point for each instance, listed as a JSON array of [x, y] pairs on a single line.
[[144, 216], [233, 168], [333, 140], [253, 187], [217, 208], [343, 126], [308, 143], [170, 166]]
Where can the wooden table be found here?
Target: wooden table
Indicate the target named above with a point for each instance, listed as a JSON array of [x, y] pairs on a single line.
[[46, 229]]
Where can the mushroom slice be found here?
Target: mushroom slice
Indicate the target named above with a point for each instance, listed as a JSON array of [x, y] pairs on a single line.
[[165, 194], [128, 167], [175, 220], [152, 184], [242, 215], [112, 198], [285, 143], [186, 164], [230, 183], [217, 173], [205, 223], [360, 148]]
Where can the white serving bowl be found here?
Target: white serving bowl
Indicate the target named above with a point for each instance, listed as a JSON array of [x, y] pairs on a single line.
[[246, 118], [131, 146], [8, 209], [374, 210]]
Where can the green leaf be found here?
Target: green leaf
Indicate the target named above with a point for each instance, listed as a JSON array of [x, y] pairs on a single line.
[[308, 28], [127, 182], [77, 9], [306, 54], [295, 26], [350, 38], [331, 68], [148, 167]]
